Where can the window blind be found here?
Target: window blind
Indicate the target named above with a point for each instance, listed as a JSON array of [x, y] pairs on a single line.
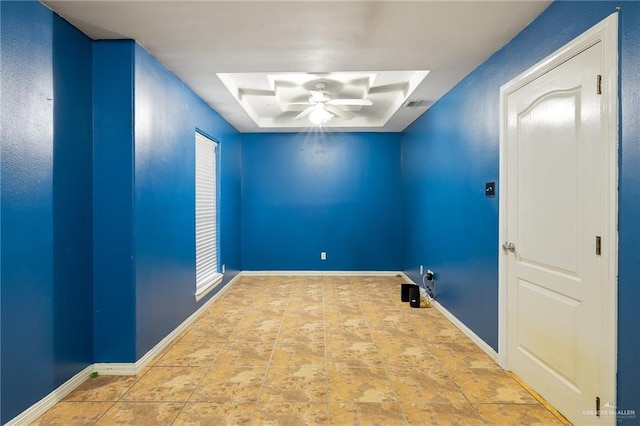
[[206, 214]]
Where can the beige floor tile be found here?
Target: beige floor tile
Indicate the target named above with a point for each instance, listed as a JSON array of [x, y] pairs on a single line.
[[530, 415], [381, 304], [298, 354], [444, 415], [340, 297], [141, 413], [276, 305], [336, 280], [255, 335], [308, 285], [298, 303], [219, 316], [264, 312], [457, 356], [261, 318], [302, 335], [353, 353], [336, 312], [291, 413], [386, 315], [103, 388], [437, 330], [303, 317], [293, 322], [407, 355], [224, 313], [215, 413], [348, 384], [425, 385], [382, 414], [349, 330], [226, 383], [311, 350], [455, 336], [309, 279], [350, 323], [73, 413], [295, 384], [281, 290], [209, 332], [167, 348], [310, 293], [491, 386], [247, 353], [165, 384], [188, 353], [394, 334], [310, 303]]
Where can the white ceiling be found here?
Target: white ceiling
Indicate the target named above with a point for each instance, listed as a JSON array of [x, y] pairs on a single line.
[[197, 40]]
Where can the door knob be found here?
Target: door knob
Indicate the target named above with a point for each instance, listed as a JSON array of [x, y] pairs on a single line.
[[509, 246]]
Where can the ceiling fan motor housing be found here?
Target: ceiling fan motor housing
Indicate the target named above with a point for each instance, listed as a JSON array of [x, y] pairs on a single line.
[[320, 95]]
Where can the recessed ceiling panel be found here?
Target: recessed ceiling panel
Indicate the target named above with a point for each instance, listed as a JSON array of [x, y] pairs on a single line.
[[366, 99]]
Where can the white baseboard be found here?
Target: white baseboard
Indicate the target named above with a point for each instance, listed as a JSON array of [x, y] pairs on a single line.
[[467, 331], [133, 368], [325, 273], [461, 326], [39, 408], [110, 368]]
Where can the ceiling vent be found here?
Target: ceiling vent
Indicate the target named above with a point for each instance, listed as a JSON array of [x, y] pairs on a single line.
[[414, 104]]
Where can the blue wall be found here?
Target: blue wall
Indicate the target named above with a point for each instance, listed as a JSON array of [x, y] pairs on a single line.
[[46, 208], [72, 200], [113, 277], [144, 224], [629, 211], [97, 214], [452, 150], [312, 192], [167, 114]]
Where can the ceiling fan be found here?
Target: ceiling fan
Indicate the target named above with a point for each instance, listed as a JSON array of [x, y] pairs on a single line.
[[322, 107]]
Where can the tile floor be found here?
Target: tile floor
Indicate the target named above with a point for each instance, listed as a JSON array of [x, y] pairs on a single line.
[[306, 351]]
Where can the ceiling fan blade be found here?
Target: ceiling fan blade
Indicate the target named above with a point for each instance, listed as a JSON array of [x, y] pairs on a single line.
[[351, 102], [345, 115], [305, 113]]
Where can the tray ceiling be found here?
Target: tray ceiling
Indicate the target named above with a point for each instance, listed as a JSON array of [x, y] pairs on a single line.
[[250, 42]]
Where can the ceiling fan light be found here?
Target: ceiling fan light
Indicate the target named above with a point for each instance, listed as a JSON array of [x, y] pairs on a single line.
[[320, 115]]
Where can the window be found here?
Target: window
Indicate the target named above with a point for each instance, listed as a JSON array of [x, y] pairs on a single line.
[[207, 274]]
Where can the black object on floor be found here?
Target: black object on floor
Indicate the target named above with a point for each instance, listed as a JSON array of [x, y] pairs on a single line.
[[404, 291], [414, 297]]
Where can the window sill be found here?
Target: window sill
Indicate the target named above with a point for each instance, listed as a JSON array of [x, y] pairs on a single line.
[[215, 281]]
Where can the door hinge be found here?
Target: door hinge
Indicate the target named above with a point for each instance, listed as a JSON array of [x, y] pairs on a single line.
[[599, 85], [598, 406], [598, 245]]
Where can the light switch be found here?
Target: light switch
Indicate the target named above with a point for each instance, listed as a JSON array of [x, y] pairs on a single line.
[[490, 190]]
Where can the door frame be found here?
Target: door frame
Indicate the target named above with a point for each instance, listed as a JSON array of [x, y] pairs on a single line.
[[605, 32]]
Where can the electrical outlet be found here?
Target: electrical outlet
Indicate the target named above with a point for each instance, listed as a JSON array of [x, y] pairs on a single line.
[[323, 255], [421, 270], [430, 275], [223, 268]]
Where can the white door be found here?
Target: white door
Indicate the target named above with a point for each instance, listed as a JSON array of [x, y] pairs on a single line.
[[554, 267]]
